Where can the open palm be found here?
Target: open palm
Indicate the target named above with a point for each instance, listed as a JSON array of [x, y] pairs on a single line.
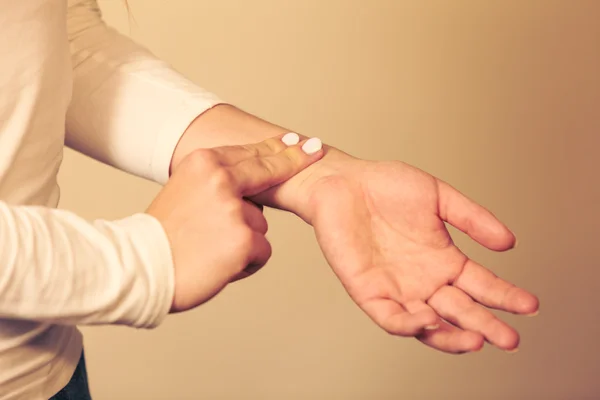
[[381, 227]]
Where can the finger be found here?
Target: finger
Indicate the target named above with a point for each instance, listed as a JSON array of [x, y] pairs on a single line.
[[255, 175], [258, 257], [248, 272], [474, 220], [458, 308], [259, 253], [254, 217], [257, 205], [231, 155], [397, 320], [450, 339], [491, 291]]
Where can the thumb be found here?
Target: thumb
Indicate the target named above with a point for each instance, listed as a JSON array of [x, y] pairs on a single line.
[[474, 220], [255, 175]]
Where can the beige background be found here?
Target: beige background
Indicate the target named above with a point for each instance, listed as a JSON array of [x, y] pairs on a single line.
[[501, 98]]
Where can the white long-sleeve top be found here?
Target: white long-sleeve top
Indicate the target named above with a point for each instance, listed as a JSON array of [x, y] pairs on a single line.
[[67, 78]]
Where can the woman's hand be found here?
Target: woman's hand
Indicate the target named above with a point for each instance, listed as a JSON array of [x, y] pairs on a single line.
[[216, 235], [381, 226]]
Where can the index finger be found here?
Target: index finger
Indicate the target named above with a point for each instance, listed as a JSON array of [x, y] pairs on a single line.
[[231, 155], [255, 175]]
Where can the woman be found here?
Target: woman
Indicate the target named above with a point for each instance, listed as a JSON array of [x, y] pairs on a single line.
[[63, 67]]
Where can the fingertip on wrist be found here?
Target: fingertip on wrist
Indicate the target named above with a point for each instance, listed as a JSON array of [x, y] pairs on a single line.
[[309, 146], [312, 146], [291, 139]]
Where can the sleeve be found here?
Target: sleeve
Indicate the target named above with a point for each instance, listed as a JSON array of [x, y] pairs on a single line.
[[129, 109], [58, 268]]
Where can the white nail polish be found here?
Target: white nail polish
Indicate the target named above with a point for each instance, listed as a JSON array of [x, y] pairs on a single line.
[[312, 145], [290, 139]]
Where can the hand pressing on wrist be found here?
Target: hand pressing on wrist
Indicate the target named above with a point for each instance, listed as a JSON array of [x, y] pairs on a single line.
[[216, 235]]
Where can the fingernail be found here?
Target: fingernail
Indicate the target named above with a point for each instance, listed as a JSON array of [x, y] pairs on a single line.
[[533, 314], [513, 351], [312, 146], [290, 138], [432, 327], [516, 243]]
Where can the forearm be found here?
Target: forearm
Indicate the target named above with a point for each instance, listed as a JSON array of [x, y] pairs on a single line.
[[226, 125], [130, 109]]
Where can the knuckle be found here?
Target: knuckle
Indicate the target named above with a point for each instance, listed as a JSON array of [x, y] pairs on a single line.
[[232, 209], [251, 150], [221, 178], [268, 250], [275, 145], [200, 161], [241, 246], [265, 226], [268, 166], [242, 239]]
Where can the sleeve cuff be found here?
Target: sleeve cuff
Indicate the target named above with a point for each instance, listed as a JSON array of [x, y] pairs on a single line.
[[149, 238], [172, 131]]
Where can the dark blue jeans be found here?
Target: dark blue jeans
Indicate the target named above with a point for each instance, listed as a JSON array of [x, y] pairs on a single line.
[[77, 388]]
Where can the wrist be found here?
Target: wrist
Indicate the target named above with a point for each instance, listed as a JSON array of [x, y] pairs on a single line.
[[225, 125], [299, 195], [222, 125]]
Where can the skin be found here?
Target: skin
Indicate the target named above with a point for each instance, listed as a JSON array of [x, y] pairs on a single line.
[[214, 232], [382, 228]]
